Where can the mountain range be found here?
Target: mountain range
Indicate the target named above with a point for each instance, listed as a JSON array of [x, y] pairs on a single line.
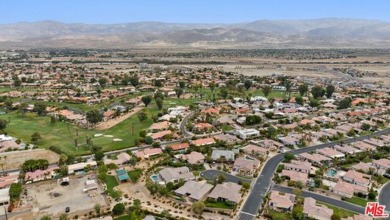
[[316, 33]]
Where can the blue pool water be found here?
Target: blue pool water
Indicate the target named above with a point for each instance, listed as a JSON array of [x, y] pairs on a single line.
[[332, 172], [154, 177], [81, 172]]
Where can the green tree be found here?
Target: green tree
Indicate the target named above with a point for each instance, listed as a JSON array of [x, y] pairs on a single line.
[[14, 191], [45, 217], [142, 116], [35, 138], [63, 216], [266, 90], [317, 91], [288, 157], [299, 100], [94, 116], [159, 102], [147, 99], [182, 84], [103, 82], [3, 124], [8, 104], [148, 140], [158, 83], [118, 209], [335, 216], [224, 92], [303, 88], [297, 212], [314, 103], [248, 84], [345, 103], [198, 207], [179, 92], [40, 108], [97, 208], [221, 178], [134, 81], [253, 119], [330, 90]]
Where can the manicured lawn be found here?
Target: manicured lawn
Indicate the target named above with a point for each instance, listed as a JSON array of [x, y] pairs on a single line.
[[63, 134], [135, 175], [278, 215], [227, 128], [111, 182], [219, 204], [339, 211], [357, 200]]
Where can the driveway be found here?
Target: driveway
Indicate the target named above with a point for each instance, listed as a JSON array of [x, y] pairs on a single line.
[[212, 174]]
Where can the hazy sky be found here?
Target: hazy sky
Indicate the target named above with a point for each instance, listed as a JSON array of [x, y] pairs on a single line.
[[188, 11]]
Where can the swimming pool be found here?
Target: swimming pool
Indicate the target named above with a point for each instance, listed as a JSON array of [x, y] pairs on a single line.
[[332, 172], [154, 178]]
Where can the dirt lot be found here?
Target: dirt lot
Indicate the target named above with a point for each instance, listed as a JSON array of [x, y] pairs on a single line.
[[16, 158], [42, 198]]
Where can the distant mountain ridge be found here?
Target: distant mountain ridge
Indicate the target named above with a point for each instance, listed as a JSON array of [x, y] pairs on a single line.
[[316, 33]]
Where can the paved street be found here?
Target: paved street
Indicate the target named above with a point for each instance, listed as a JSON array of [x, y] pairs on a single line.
[[384, 196], [262, 183], [211, 174]]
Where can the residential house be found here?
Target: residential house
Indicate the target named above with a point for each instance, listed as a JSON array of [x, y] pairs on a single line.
[[196, 191], [160, 126], [329, 152], [254, 150], [39, 175], [295, 176], [299, 166], [170, 174], [219, 193], [74, 168], [357, 178], [363, 146], [202, 127], [148, 152], [217, 154], [121, 159], [374, 142], [268, 144], [346, 149], [246, 165], [364, 167], [382, 164], [348, 190], [203, 142], [161, 134], [180, 147], [227, 138], [247, 133], [6, 181], [315, 159], [312, 210], [194, 157], [281, 202]]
